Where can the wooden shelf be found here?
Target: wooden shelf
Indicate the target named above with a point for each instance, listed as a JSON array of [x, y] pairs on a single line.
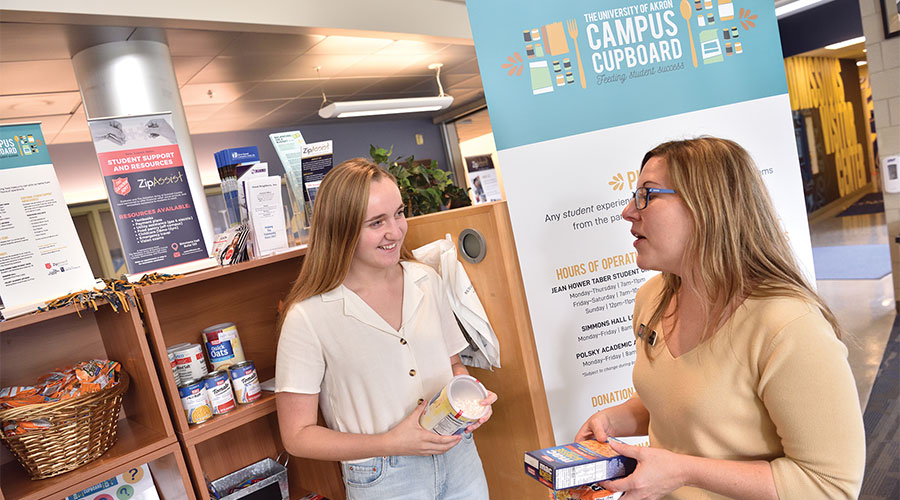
[[133, 442], [221, 424]]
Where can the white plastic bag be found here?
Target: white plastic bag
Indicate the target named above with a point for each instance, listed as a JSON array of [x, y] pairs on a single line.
[[484, 348]]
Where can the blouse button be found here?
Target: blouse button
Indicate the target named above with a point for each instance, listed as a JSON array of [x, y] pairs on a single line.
[[420, 401], [412, 373], [403, 341]]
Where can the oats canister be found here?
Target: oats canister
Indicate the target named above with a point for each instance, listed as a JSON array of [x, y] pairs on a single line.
[[223, 346], [456, 407]]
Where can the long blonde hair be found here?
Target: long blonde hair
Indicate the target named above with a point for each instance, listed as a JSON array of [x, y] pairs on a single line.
[[737, 242], [337, 218]]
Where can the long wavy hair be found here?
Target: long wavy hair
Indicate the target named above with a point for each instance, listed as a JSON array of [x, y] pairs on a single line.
[[338, 213], [737, 243]]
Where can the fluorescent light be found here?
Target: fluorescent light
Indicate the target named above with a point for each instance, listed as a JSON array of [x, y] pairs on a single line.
[[846, 43], [862, 63], [787, 8], [349, 109]]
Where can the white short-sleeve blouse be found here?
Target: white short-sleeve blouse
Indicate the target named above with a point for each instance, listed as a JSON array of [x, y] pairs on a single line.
[[369, 376]]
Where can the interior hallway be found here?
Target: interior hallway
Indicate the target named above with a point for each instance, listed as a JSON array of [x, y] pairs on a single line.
[[864, 308]]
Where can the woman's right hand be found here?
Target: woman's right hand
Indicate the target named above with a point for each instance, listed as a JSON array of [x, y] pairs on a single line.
[[597, 427], [409, 438]]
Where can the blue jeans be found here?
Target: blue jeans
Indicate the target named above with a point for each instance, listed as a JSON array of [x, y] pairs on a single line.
[[456, 474]]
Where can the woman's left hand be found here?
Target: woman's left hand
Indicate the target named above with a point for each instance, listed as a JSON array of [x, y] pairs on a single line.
[[658, 472], [488, 401]]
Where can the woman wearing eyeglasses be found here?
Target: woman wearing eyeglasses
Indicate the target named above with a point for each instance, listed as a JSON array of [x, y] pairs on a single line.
[[741, 380]]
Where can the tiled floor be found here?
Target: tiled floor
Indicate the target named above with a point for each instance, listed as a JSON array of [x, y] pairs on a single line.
[[865, 308]]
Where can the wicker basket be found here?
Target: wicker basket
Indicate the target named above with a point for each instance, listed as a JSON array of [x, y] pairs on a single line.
[[84, 428]]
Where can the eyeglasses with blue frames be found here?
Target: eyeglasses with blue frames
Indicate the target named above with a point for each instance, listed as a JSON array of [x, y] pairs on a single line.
[[642, 196]]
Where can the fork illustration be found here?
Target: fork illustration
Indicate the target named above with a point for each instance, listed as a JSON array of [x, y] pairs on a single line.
[[573, 32]]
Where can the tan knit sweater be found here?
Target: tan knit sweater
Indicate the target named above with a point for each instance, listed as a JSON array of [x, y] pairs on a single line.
[[772, 384]]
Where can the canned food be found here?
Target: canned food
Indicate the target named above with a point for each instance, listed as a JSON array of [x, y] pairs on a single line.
[[172, 367], [245, 382], [223, 346], [189, 363], [456, 407], [218, 389], [195, 401]]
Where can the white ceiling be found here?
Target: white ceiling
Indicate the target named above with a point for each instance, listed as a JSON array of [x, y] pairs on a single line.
[[229, 80]]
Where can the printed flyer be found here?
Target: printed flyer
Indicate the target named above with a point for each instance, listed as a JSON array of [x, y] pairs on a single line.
[[40, 254], [578, 91], [483, 179], [148, 191]]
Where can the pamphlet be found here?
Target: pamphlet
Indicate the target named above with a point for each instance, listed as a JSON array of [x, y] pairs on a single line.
[[266, 214], [289, 146], [244, 173], [318, 159]]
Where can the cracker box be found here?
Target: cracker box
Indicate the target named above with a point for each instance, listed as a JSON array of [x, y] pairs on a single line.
[[577, 464]]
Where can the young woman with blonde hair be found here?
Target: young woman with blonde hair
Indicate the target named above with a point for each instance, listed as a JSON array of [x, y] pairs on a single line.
[[367, 336], [741, 380]]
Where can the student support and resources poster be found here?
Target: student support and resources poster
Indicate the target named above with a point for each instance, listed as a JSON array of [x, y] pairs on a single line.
[[578, 91], [148, 191]]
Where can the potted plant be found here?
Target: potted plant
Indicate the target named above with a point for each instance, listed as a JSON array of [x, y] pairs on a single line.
[[424, 187]]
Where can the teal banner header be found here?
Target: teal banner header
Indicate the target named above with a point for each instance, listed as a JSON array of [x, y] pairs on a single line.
[[557, 69], [22, 146]]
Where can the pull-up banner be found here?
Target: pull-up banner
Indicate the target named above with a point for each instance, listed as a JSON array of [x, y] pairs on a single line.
[[578, 91], [148, 191]]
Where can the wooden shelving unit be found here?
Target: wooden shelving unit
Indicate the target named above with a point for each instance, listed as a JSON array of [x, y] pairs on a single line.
[[248, 295], [38, 343]]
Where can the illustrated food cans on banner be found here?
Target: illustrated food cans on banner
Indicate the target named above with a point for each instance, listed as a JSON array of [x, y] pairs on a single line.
[[572, 122], [41, 257], [148, 191]]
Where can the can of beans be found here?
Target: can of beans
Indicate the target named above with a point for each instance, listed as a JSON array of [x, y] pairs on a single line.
[[223, 346], [189, 362], [218, 388], [456, 407], [195, 401], [245, 382]]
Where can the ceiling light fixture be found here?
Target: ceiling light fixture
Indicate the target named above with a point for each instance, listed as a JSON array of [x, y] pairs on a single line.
[[862, 63], [784, 8], [349, 109], [846, 43]]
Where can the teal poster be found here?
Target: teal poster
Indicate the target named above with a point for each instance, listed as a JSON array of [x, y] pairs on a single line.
[[40, 254], [577, 92]]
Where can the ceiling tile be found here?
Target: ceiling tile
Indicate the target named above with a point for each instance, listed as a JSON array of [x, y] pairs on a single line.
[[285, 89], [242, 68], [455, 55], [305, 66], [221, 93], [50, 125], [472, 82], [469, 66], [31, 42], [198, 42], [59, 103], [397, 84], [75, 130], [248, 111], [344, 45], [188, 66], [201, 112], [335, 87], [31, 77], [271, 43], [412, 48], [386, 65], [290, 114]]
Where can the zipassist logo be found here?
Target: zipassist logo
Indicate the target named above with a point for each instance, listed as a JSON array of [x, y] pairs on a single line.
[[160, 181], [630, 41]]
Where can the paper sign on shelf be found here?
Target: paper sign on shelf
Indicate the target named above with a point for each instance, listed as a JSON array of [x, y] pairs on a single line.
[[41, 257], [134, 484]]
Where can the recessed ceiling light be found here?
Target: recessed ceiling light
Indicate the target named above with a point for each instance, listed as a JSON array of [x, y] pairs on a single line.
[[861, 63], [846, 43]]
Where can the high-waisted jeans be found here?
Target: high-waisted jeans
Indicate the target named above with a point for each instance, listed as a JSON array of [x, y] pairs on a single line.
[[457, 474]]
